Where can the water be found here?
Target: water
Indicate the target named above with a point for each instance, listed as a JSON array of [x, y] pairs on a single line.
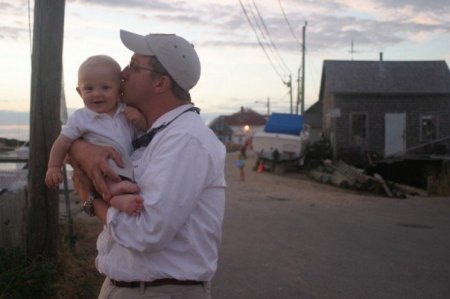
[[13, 177], [10, 165]]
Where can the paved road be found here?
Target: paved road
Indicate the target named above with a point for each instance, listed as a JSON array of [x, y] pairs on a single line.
[[292, 238]]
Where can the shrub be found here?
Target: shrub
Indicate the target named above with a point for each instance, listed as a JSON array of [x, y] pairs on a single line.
[[21, 277]]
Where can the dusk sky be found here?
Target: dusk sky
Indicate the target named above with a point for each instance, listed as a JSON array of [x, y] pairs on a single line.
[[236, 70]]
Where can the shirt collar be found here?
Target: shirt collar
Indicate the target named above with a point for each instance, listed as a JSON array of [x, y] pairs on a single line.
[[168, 116], [92, 114]]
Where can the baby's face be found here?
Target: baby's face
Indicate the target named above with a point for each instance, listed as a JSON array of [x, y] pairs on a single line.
[[99, 87]]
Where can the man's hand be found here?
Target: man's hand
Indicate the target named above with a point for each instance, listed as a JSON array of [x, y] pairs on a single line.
[[93, 160]]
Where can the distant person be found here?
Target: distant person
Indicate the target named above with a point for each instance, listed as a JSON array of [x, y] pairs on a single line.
[[275, 158], [240, 162], [170, 250], [103, 120]]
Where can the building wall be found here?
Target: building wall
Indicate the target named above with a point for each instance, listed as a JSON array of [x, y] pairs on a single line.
[[376, 106]]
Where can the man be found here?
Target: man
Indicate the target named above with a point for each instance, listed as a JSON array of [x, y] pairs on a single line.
[[171, 247]]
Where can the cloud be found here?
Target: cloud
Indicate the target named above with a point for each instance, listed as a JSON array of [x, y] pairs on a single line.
[[12, 23], [331, 23], [139, 4]]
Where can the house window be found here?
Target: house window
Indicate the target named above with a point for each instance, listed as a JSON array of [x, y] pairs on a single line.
[[358, 126], [428, 128]]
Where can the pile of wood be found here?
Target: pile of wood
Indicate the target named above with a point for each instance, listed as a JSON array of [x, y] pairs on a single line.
[[346, 176]]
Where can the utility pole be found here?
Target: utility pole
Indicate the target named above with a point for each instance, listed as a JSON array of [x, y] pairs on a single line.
[[301, 82], [303, 67], [42, 223], [289, 84], [298, 91], [352, 50]]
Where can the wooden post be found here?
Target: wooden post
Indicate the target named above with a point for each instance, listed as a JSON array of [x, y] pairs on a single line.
[[41, 232]]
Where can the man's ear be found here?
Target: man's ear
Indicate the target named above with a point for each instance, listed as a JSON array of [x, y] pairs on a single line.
[[163, 84]]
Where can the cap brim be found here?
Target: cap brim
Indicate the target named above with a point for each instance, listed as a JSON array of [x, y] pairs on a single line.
[[135, 42]]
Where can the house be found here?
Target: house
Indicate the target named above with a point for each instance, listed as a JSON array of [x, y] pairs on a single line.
[[384, 107], [313, 118], [239, 127]]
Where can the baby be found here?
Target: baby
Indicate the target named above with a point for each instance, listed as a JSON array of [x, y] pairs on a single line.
[[104, 120]]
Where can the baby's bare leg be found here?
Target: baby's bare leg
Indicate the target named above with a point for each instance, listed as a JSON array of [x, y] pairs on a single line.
[[127, 202]]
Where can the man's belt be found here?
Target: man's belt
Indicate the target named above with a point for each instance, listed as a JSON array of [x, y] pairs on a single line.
[[155, 283]]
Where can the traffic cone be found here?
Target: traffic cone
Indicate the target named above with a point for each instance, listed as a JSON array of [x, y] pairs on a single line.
[[260, 167]]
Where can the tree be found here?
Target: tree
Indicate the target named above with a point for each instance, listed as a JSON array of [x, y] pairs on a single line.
[[41, 235]]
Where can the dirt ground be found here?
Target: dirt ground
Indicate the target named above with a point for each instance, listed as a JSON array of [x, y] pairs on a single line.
[[282, 187]]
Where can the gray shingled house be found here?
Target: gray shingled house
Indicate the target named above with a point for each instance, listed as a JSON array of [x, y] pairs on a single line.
[[384, 107]]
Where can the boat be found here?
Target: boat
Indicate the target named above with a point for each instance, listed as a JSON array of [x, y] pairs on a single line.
[[283, 141]]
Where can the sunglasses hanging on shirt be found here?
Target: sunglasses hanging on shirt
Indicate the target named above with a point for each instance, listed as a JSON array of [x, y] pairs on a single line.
[[145, 139]]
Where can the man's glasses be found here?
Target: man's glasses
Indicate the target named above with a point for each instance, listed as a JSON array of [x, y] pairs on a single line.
[[136, 67]]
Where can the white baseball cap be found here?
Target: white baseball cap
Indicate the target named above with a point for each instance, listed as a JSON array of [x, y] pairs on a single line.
[[176, 54]]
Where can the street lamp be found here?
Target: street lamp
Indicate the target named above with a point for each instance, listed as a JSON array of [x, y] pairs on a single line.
[[267, 105]]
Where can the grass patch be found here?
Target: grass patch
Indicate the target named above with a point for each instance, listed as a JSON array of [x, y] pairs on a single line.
[[71, 275], [77, 276], [21, 277]]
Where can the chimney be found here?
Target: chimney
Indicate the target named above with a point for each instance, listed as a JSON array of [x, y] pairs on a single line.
[[381, 56]]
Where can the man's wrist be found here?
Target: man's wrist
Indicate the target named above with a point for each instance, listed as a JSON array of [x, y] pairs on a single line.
[[88, 205]]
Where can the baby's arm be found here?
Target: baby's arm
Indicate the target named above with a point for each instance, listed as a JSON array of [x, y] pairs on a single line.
[[58, 152], [136, 117]]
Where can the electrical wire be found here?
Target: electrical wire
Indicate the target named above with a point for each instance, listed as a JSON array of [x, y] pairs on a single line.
[[275, 49], [260, 43], [289, 24], [259, 28]]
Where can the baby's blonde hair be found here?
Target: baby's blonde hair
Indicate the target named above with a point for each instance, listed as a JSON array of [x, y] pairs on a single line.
[[99, 60]]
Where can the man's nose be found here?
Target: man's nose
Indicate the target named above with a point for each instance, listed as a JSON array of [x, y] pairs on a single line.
[[125, 73]]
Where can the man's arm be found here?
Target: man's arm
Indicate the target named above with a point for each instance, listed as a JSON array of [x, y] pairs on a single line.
[[83, 186], [93, 160]]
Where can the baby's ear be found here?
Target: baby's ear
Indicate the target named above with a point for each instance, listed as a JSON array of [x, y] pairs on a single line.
[[78, 90]]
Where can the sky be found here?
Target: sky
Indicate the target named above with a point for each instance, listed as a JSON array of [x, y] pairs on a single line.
[[247, 48]]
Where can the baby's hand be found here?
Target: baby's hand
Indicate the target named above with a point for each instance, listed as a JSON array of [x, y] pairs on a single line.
[[135, 116], [53, 177]]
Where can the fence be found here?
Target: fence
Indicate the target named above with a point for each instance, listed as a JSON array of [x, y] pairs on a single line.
[[12, 216]]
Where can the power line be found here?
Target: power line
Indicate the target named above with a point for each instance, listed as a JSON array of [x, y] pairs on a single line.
[[270, 38], [258, 28], [289, 24], [260, 43]]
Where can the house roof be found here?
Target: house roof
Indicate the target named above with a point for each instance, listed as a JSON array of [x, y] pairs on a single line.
[[385, 77], [313, 115], [244, 117]]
